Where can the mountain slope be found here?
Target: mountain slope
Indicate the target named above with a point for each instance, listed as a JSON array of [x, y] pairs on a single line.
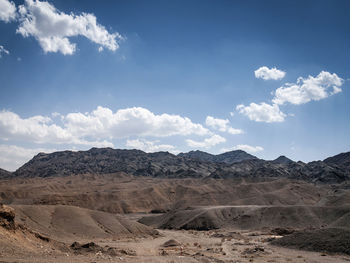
[[4, 173], [342, 159]]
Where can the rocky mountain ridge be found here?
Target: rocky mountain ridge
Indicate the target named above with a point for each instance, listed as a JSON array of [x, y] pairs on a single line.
[[227, 157], [189, 165]]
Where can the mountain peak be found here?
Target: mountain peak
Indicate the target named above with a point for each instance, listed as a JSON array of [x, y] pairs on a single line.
[[282, 160]]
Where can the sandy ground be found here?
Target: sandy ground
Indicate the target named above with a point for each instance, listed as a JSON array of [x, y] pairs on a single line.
[[196, 246], [129, 195]]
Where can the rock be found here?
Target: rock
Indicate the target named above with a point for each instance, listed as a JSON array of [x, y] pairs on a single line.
[[88, 247], [7, 217], [171, 243], [280, 231], [92, 247]]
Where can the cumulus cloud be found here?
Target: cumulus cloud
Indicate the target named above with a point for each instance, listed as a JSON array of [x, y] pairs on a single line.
[[3, 51], [40, 129], [307, 89], [7, 10], [244, 147], [149, 146], [135, 121], [266, 73], [53, 28], [304, 90], [262, 112], [221, 125], [97, 128], [206, 143], [12, 157]]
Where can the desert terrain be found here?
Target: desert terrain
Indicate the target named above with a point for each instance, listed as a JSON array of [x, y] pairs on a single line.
[[53, 213]]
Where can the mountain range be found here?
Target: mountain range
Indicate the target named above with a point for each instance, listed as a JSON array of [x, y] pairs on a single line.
[[194, 164]]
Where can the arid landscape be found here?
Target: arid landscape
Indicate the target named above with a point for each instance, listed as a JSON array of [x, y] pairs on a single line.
[[152, 131], [268, 211]]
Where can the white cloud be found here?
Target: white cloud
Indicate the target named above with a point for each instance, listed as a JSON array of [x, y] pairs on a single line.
[[7, 10], [40, 129], [3, 50], [221, 125], [266, 73], [97, 128], [149, 146], [53, 28], [206, 143], [316, 88], [262, 112], [244, 147], [12, 157], [124, 123], [305, 90]]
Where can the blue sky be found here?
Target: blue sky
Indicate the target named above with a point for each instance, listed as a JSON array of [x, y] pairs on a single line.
[[176, 76]]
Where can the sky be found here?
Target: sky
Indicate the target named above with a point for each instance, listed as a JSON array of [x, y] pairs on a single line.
[[268, 77]]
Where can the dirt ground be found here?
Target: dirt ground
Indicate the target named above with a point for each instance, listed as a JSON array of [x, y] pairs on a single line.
[[58, 208], [194, 246]]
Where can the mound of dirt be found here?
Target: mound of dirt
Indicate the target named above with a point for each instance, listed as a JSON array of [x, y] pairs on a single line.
[[67, 223], [333, 240], [247, 217]]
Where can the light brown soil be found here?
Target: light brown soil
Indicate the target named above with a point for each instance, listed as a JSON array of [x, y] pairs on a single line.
[[120, 193], [55, 212]]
